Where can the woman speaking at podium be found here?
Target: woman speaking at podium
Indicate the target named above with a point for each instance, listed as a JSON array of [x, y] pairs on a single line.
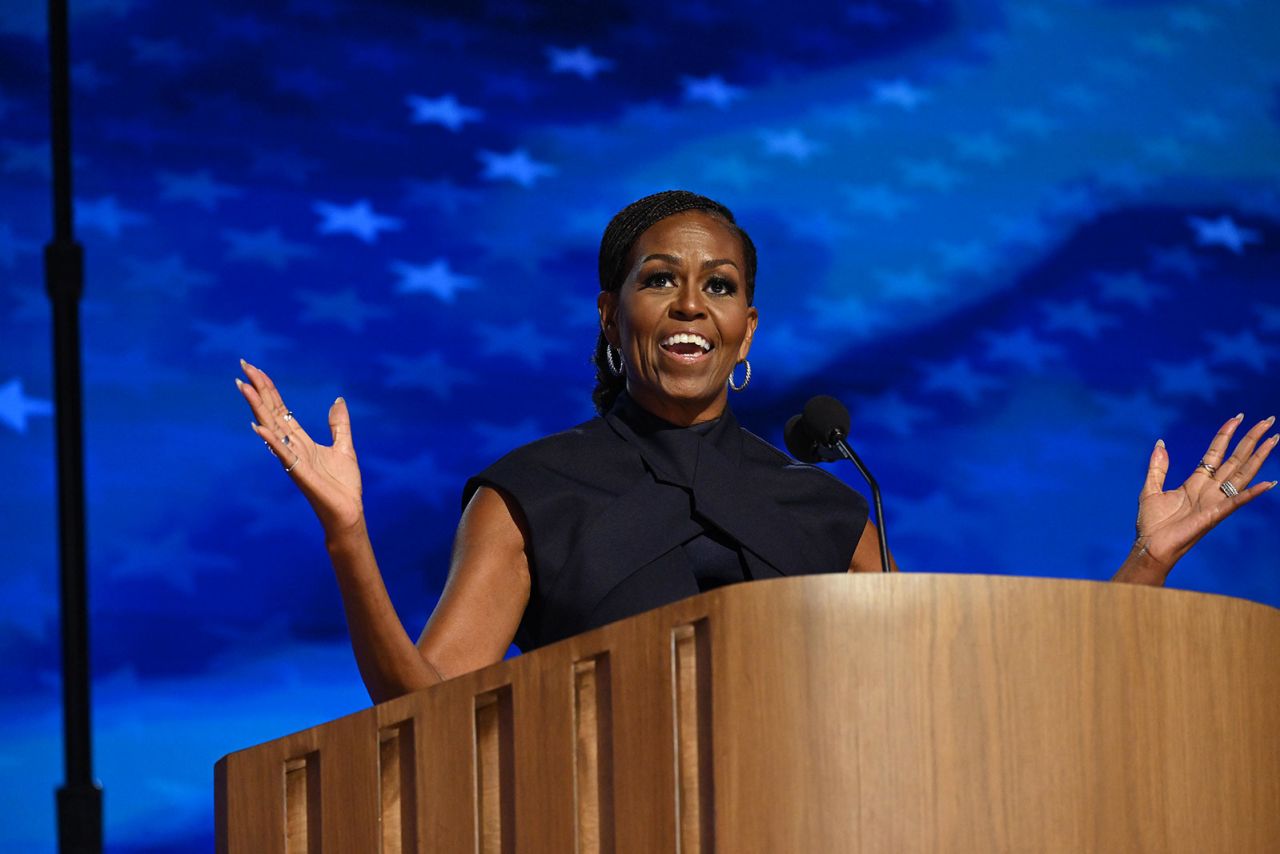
[[662, 495]]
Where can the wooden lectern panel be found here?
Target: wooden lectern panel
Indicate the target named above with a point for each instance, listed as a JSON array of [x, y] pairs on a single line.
[[829, 713]]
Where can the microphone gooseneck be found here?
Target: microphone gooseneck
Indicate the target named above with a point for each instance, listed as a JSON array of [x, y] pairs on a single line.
[[819, 434]]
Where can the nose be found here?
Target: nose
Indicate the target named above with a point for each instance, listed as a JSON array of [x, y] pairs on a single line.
[[688, 303]]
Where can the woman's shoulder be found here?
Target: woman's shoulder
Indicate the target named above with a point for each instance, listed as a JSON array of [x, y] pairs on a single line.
[[792, 478]]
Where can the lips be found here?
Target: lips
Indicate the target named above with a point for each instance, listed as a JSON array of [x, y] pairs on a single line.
[[686, 346]]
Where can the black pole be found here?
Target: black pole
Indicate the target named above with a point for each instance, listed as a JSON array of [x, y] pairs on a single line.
[[80, 797]]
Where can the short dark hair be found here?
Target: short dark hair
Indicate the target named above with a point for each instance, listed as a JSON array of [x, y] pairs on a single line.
[[615, 247]]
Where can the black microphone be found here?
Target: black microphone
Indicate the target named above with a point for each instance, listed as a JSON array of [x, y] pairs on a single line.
[[825, 423]]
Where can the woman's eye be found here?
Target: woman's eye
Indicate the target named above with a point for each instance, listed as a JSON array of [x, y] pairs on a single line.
[[721, 287], [658, 280]]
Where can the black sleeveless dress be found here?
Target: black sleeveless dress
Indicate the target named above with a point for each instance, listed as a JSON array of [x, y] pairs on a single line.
[[627, 512]]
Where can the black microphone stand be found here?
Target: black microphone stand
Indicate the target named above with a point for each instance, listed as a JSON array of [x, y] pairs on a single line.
[[80, 798], [837, 439]]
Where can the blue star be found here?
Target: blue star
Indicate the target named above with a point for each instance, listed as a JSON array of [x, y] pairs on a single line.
[[358, 220], [517, 167], [959, 378], [1154, 44], [1076, 201], [11, 246], [894, 413], [1177, 259], [419, 475], [580, 61], [853, 120], [1167, 149], [169, 558], [788, 352], [524, 340], [791, 143], [1191, 19], [1243, 347], [1193, 379], [898, 93], [344, 308], [167, 275], [243, 339], [1222, 231], [931, 173], [1125, 177], [435, 278], [497, 439], [429, 372], [969, 257], [1030, 121], [133, 371], [27, 158], [1206, 124], [878, 199], [1076, 316], [444, 111], [730, 170], [107, 216], [15, 406], [1026, 230], [1021, 347], [443, 195], [198, 187], [1139, 409], [983, 147], [910, 285], [918, 518], [1130, 287], [266, 246], [710, 90], [166, 52], [855, 316], [290, 165]]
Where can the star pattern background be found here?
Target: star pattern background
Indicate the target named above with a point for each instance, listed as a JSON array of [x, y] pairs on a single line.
[[1021, 241]]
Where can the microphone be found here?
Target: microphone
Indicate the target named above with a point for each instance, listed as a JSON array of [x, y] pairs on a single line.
[[818, 434]]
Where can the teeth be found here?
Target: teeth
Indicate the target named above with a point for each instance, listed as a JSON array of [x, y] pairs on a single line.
[[687, 338]]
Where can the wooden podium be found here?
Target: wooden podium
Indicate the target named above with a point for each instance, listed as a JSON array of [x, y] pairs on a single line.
[[845, 713]]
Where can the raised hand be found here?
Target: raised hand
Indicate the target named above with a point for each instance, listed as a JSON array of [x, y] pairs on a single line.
[[1170, 523], [327, 475]]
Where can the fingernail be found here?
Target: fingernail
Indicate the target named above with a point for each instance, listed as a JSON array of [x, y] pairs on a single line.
[[1271, 419], [1239, 417], [1159, 443], [243, 363], [339, 400], [239, 382]]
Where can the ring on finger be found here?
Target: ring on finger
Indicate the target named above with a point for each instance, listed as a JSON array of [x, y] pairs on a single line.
[[1229, 489], [296, 458], [288, 415], [285, 440], [1207, 467]]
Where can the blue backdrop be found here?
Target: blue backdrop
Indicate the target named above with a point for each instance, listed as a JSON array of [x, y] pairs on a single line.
[[1022, 241]]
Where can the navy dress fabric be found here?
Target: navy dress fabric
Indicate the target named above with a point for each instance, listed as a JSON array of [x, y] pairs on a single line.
[[627, 512]]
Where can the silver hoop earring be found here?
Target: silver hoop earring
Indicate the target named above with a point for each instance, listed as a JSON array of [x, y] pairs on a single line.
[[609, 350], [745, 380]]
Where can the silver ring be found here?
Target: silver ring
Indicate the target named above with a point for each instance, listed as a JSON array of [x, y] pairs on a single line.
[[295, 464], [288, 415], [285, 440], [1229, 489], [1209, 468]]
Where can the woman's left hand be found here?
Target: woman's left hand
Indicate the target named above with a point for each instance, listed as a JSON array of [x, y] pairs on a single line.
[[1170, 523]]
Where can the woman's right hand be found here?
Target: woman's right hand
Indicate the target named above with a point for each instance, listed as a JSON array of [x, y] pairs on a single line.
[[328, 475]]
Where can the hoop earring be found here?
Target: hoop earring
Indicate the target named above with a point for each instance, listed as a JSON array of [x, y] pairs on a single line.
[[745, 380], [609, 350]]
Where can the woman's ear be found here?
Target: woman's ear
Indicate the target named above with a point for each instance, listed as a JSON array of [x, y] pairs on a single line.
[[753, 318], [607, 306]]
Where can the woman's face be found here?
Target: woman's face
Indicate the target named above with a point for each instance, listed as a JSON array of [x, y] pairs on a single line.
[[681, 317]]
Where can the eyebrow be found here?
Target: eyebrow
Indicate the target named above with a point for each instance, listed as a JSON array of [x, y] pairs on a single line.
[[672, 259]]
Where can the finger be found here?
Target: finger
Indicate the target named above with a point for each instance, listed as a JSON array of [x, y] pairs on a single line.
[[289, 458], [340, 427], [1249, 469], [261, 412], [266, 389], [1234, 503], [1244, 448], [272, 411], [1157, 469], [1218, 447]]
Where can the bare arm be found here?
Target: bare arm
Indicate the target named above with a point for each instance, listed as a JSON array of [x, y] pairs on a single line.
[[866, 556]]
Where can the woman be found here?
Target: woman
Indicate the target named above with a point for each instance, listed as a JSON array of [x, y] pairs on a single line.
[[661, 496]]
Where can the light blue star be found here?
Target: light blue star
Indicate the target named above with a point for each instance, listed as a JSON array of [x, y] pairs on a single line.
[[579, 60], [198, 187], [1177, 259], [1243, 348], [344, 308], [789, 143], [430, 372], [418, 475], [15, 406], [878, 199], [435, 278], [166, 52], [731, 170], [1129, 286], [497, 439], [168, 558], [523, 340], [1021, 347], [958, 377], [11, 246], [1076, 316], [1137, 410], [444, 111], [909, 285], [169, 275], [854, 316], [517, 167], [1191, 379], [266, 246], [710, 90], [898, 93], [241, 339], [787, 351], [107, 216], [357, 219], [931, 173], [983, 147], [894, 413], [1222, 231]]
